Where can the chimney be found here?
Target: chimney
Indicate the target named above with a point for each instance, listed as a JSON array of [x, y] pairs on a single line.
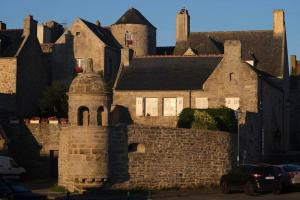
[[232, 49], [126, 56], [2, 26], [98, 24], [182, 25], [278, 22], [295, 65], [30, 26]]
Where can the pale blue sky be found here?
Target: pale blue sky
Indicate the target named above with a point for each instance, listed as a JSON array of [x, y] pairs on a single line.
[[206, 15]]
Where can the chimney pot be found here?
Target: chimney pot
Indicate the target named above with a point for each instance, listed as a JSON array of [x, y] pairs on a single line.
[[2, 26], [98, 23]]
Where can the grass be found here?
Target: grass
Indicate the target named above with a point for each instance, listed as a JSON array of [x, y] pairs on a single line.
[[57, 188]]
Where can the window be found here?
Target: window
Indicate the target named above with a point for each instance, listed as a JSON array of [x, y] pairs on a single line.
[[80, 63], [233, 103], [136, 147], [201, 103], [172, 106], [77, 33], [151, 107], [83, 118], [128, 38], [146, 106], [99, 116]]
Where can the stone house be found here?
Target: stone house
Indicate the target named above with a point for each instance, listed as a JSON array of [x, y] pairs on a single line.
[[294, 102], [23, 74], [209, 70]]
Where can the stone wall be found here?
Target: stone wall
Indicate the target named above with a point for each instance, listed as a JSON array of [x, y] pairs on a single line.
[[8, 68], [168, 157]]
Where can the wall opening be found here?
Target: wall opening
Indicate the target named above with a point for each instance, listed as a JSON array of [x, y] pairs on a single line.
[[136, 147], [99, 115], [83, 118]]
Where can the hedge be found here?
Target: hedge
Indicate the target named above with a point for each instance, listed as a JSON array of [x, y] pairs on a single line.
[[222, 119]]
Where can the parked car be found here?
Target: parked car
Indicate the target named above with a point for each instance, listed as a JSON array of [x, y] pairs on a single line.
[[5, 192], [21, 192], [10, 169], [292, 172], [251, 179]]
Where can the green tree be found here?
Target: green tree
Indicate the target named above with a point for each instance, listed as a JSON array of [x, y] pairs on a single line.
[[54, 101], [202, 120]]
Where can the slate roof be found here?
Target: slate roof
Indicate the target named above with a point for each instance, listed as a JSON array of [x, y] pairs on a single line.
[[103, 34], [133, 16], [11, 41], [167, 73], [259, 45], [165, 50]]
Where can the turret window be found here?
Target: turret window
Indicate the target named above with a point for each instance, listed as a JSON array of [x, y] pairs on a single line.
[[83, 118], [99, 116]]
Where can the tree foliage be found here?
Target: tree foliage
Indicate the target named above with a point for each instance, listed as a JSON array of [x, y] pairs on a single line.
[[54, 101]]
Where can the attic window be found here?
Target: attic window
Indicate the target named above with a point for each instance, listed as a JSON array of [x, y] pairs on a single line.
[[77, 33]]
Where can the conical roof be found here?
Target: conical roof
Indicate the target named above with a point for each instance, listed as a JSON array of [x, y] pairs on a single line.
[[133, 16]]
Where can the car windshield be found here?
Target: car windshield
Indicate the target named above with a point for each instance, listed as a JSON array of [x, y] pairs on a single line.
[[291, 168], [264, 170]]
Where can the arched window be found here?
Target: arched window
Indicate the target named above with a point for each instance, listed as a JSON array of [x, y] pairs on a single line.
[[99, 115], [83, 117]]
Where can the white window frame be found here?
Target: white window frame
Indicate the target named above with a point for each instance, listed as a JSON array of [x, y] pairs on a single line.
[[232, 102], [201, 102], [150, 110], [139, 106], [178, 106]]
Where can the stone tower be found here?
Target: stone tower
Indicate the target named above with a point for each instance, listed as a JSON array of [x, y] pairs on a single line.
[[182, 25], [134, 31], [83, 148]]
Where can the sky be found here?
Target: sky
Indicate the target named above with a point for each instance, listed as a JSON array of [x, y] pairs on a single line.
[[205, 15]]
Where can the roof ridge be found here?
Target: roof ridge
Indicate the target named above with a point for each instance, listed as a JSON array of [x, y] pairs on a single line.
[[267, 30], [174, 56]]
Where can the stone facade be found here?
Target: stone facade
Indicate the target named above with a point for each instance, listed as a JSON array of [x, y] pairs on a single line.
[[18, 70], [80, 42], [144, 37], [8, 75]]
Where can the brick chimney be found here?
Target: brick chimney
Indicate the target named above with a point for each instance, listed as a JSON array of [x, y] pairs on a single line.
[[182, 25], [232, 49], [30, 26], [278, 22], [2, 26]]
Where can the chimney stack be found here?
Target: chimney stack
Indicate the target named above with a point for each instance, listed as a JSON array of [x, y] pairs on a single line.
[[2, 26], [126, 56], [182, 25], [278, 22], [232, 49], [30, 26], [295, 65]]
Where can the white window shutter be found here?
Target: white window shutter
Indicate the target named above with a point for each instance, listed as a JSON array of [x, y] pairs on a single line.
[[179, 105], [139, 108]]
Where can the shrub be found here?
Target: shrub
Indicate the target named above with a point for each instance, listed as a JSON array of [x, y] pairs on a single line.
[[202, 120], [222, 119]]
